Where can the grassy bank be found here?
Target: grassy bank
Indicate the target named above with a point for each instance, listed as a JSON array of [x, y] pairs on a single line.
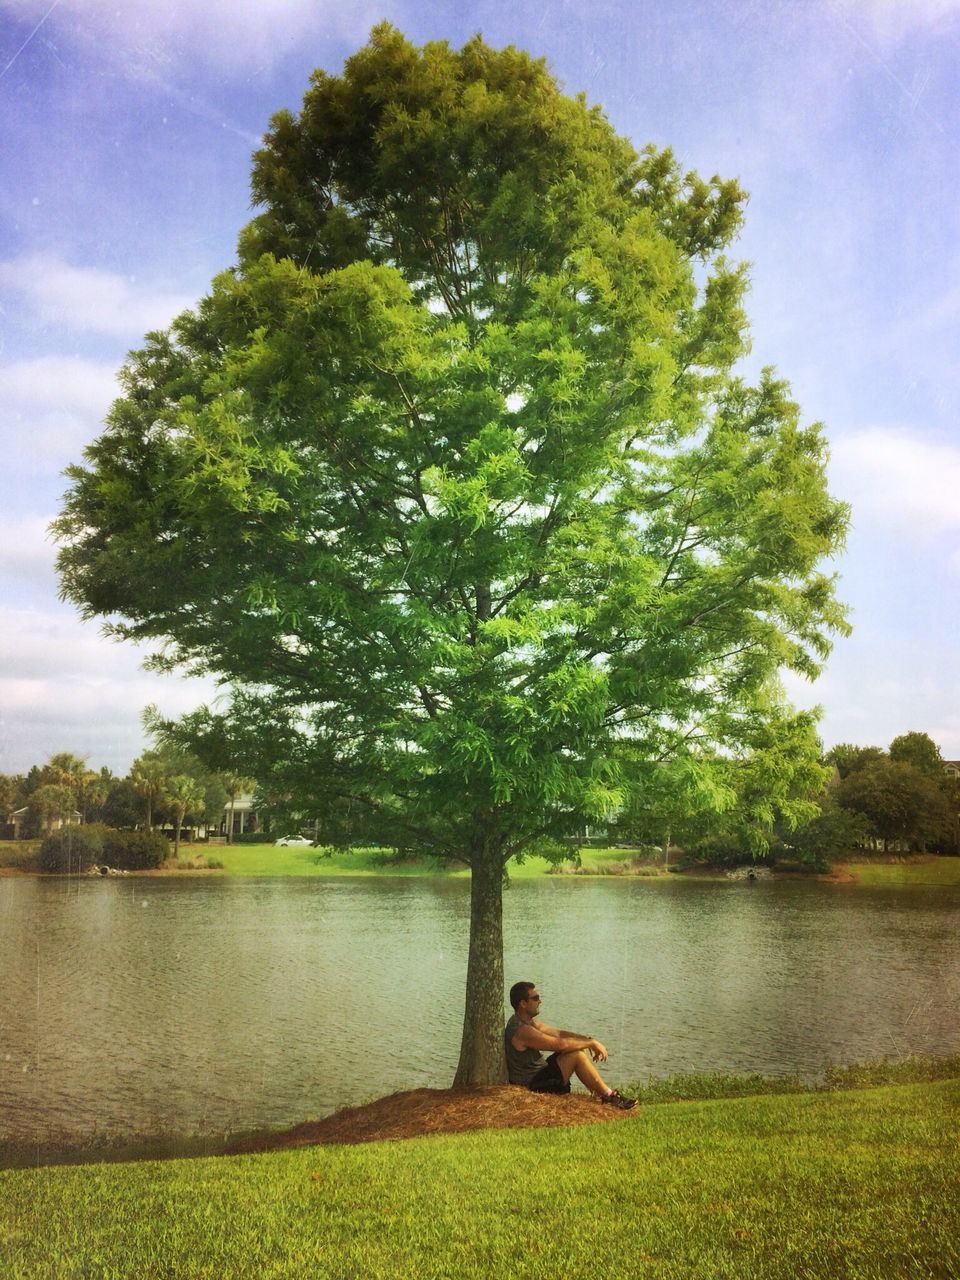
[[271, 860], [20, 855], [926, 869], [268, 860], [852, 1183]]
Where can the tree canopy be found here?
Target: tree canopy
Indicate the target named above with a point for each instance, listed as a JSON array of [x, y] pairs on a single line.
[[920, 751], [899, 801], [452, 480]]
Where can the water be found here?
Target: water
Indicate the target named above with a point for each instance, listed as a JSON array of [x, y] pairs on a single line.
[[179, 1006]]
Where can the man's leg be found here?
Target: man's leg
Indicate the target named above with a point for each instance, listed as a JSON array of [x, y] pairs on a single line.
[[577, 1063]]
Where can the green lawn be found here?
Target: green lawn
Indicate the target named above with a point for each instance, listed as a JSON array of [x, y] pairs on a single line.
[[298, 860], [269, 860], [857, 1184], [18, 853], [942, 872]]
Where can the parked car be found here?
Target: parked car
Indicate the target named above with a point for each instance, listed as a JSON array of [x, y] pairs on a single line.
[[285, 840]]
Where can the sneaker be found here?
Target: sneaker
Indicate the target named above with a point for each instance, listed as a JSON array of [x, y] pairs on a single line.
[[617, 1100]]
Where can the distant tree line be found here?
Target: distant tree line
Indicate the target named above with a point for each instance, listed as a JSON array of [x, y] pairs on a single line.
[[900, 799], [775, 803], [166, 787], [728, 810]]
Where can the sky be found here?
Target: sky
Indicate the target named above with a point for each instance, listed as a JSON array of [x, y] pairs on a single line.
[[124, 182]]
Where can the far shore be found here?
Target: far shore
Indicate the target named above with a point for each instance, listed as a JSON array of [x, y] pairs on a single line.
[[268, 859]]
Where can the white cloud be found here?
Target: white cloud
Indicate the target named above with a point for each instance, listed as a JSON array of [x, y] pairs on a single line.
[[51, 407], [65, 383], [890, 20], [870, 699], [896, 478], [64, 687], [88, 299], [151, 39], [26, 549]]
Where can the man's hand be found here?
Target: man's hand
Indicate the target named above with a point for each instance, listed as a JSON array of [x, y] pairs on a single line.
[[597, 1051]]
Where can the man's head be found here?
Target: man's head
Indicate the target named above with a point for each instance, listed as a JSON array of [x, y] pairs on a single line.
[[523, 992]]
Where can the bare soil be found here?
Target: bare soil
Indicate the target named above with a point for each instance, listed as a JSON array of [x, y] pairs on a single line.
[[430, 1111]]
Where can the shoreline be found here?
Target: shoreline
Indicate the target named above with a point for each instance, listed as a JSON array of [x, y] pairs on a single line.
[[426, 1111], [930, 870]]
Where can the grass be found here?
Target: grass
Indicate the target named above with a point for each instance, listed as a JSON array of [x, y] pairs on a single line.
[[270, 860], [860, 1184], [20, 854], [301, 860], [928, 869]]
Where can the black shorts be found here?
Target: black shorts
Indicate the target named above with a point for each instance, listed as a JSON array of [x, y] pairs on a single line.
[[549, 1079]]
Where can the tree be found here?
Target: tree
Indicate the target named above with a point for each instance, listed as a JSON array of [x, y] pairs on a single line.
[[919, 750], [770, 784], [148, 777], [850, 758], [89, 788], [451, 478], [122, 807], [151, 775], [50, 803], [668, 801], [234, 784], [186, 795], [833, 832], [11, 791], [778, 782], [901, 803]]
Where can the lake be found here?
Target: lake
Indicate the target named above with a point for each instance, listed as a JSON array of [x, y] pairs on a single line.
[[188, 1006]]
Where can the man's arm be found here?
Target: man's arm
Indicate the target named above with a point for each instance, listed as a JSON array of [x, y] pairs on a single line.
[[537, 1035]]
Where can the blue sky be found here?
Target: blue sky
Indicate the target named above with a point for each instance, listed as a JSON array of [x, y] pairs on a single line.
[[124, 182]]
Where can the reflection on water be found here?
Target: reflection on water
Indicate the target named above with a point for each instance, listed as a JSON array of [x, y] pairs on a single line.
[[185, 1006]]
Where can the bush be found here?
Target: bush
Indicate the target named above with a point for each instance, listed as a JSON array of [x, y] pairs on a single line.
[[135, 850], [72, 848], [722, 851]]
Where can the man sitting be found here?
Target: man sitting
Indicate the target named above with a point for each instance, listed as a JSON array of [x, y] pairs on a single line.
[[525, 1036]]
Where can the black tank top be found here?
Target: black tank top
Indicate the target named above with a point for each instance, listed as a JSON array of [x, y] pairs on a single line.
[[522, 1064]]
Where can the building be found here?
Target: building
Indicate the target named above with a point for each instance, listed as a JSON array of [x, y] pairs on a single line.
[[13, 827], [242, 813]]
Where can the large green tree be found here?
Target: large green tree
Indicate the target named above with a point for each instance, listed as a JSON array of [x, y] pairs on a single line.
[[451, 477], [920, 750], [901, 802]]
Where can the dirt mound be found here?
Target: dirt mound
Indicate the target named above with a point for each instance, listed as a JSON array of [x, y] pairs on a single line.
[[428, 1111]]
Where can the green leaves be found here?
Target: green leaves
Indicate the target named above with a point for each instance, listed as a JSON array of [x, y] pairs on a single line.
[[450, 478]]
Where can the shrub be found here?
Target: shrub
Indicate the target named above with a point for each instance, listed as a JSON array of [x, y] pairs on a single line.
[[72, 848], [722, 850], [135, 850]]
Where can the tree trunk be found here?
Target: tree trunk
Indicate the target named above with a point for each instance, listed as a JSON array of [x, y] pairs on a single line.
[[233, 800], [176, 834], [481, 1049]]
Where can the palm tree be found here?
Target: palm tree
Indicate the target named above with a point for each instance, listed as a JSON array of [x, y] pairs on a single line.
[[148, 777], [235, 785], [185, 794], [67, 770]]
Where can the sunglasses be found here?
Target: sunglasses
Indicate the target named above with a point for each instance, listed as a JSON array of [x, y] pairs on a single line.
[[533, 997]]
